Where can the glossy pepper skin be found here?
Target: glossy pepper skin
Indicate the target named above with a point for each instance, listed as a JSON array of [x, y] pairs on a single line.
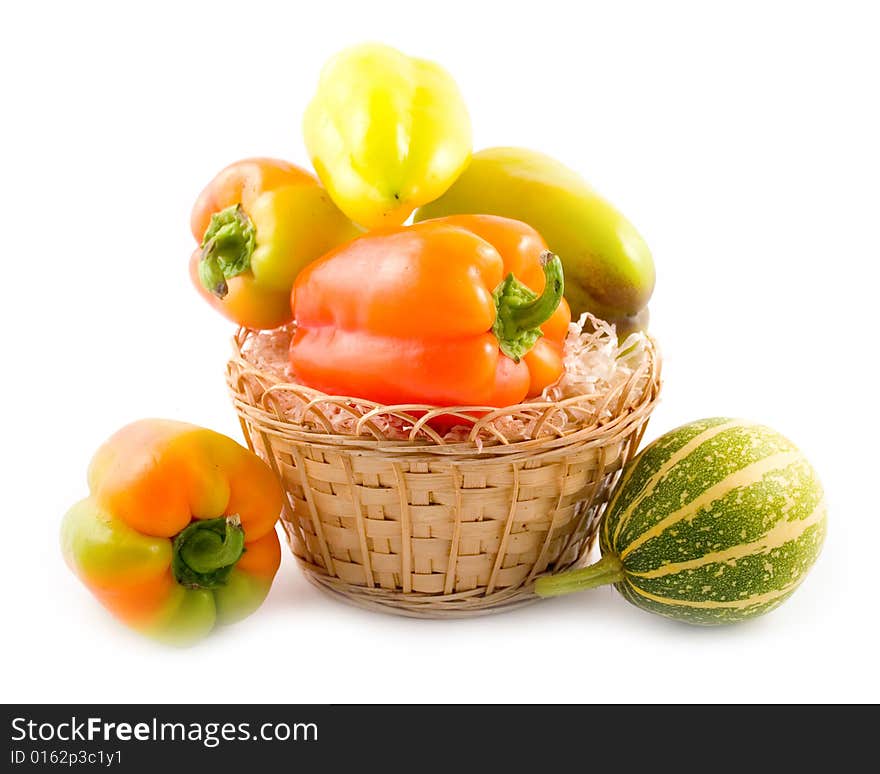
[[257, 224], [386, 133], [459, 311], [178, 531]]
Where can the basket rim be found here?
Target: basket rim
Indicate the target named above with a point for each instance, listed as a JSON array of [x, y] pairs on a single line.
[[429, 442], [593, 435]]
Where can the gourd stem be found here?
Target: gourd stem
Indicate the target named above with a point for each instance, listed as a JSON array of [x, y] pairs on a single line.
[[519, 311], [204, 554], [608, 569]]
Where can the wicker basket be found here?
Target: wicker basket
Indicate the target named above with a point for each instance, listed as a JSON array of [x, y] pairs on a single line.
[[434, 529]]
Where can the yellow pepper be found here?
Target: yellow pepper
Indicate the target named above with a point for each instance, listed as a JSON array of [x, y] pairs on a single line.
[[386, 133]]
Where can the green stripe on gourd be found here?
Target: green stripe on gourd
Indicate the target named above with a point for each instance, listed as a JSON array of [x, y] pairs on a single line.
[[714, 522]]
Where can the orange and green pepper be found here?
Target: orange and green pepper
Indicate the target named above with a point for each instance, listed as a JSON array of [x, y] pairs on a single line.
[[258, 223], [458, 311], [178, 531]]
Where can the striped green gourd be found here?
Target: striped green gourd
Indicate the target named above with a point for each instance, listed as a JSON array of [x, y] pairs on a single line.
[[712, 523]]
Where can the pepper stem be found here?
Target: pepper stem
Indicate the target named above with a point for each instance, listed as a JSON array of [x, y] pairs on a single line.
[[227, 246], [206, 551], [519, 311], [608, 569]]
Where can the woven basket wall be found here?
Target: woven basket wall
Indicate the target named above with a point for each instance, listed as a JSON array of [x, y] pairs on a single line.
[[432, 529]]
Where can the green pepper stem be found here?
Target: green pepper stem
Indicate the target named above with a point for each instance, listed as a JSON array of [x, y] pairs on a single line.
[[608, 569], [227, 247], [519, 311], [204, 554]]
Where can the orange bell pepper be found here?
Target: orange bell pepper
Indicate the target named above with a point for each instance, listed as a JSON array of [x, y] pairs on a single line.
[[178, 533], [258, 223], [459, 311]]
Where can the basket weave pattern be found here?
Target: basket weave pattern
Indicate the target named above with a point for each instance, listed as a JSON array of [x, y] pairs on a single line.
[[430, 529]]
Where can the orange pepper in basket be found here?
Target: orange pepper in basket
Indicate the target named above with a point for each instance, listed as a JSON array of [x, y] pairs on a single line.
[[458, 311]]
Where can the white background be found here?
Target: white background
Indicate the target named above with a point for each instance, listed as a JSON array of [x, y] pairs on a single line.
[[741, 139]]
